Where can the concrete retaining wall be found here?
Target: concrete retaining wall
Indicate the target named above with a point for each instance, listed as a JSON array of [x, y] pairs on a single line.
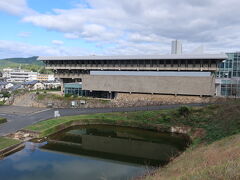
[[151, 84]]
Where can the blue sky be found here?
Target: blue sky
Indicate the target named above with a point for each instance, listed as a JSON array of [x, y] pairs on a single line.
[[109, 27]]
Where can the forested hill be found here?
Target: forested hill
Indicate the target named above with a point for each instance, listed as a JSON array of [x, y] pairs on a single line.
[[30, 60], [30, 63]]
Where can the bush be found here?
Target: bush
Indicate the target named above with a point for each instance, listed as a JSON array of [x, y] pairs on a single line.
[[37, 93], [184, 111], [6, 94], [75, 96], [2, 120], [67, 95]]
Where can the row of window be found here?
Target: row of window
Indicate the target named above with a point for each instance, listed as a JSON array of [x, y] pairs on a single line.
[[132, 62], [230, 67], [230, 90]]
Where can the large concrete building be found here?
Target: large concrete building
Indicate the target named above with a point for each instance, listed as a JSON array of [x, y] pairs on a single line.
[[105, 76]]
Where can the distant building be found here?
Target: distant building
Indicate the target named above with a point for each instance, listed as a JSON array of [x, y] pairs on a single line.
[[52, 85], [176, 47], [228, 76], [19, 75], [45, 77], [1, 77], [39, 86], [29, 85], [5, 85]]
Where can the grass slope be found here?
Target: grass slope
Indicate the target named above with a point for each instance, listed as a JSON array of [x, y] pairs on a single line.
[[219, 160], [7, 142]]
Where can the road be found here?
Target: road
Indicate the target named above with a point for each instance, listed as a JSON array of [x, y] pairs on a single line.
[[20, 117]]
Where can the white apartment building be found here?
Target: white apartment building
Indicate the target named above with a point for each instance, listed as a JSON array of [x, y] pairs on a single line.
[[19, 75]]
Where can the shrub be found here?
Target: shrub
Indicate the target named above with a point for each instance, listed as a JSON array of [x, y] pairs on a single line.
[[67, 95], [75, 96], [6, 94], [184, 111]]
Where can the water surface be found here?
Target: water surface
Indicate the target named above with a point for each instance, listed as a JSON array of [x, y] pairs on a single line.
[[93, 152]]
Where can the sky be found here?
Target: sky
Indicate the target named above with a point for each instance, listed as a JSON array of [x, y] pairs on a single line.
[[116, 27]]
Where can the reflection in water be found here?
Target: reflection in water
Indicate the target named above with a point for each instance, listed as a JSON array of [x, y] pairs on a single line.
[[92, 152]]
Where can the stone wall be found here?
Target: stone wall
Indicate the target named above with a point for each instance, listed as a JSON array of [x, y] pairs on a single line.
[[122, 100], [161, 99]]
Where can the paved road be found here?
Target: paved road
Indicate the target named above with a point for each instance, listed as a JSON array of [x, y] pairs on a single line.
[[20, 117]]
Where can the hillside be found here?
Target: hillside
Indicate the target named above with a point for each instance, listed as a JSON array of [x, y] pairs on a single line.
[[30, 63], [30, 60], [219, 160]]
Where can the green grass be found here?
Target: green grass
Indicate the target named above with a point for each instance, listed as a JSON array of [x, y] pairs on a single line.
[[2, 103], [218, 121], [42, 96], [2, 120], [7, 142], [50, 126]]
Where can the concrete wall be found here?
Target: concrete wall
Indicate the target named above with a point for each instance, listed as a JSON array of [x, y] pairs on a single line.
[[153, 84]]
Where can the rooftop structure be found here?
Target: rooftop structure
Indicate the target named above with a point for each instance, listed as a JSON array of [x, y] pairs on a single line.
[[176, 47], [137, 57]]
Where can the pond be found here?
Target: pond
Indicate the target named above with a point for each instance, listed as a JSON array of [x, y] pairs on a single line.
[[93, 152]]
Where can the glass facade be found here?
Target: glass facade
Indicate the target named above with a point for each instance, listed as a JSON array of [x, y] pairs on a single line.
[[228, 76], [76, 89], [73, 89]]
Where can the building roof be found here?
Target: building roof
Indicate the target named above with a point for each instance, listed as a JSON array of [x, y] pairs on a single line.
[[137, 57], [15, 87], [3, 83], [30, 82]]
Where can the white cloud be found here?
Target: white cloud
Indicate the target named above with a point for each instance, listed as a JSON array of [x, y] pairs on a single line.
[[10, 49], [132, 27], [15, 7], [57, 42], [71, 35], [147, 24]]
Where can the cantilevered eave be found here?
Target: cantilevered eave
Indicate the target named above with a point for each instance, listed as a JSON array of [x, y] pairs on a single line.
[[137, 57]]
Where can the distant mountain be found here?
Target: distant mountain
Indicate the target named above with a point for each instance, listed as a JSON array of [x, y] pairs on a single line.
[[30, 60], [30, 63]]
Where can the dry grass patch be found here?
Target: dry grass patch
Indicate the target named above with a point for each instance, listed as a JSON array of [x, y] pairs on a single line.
[[220, 160]]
